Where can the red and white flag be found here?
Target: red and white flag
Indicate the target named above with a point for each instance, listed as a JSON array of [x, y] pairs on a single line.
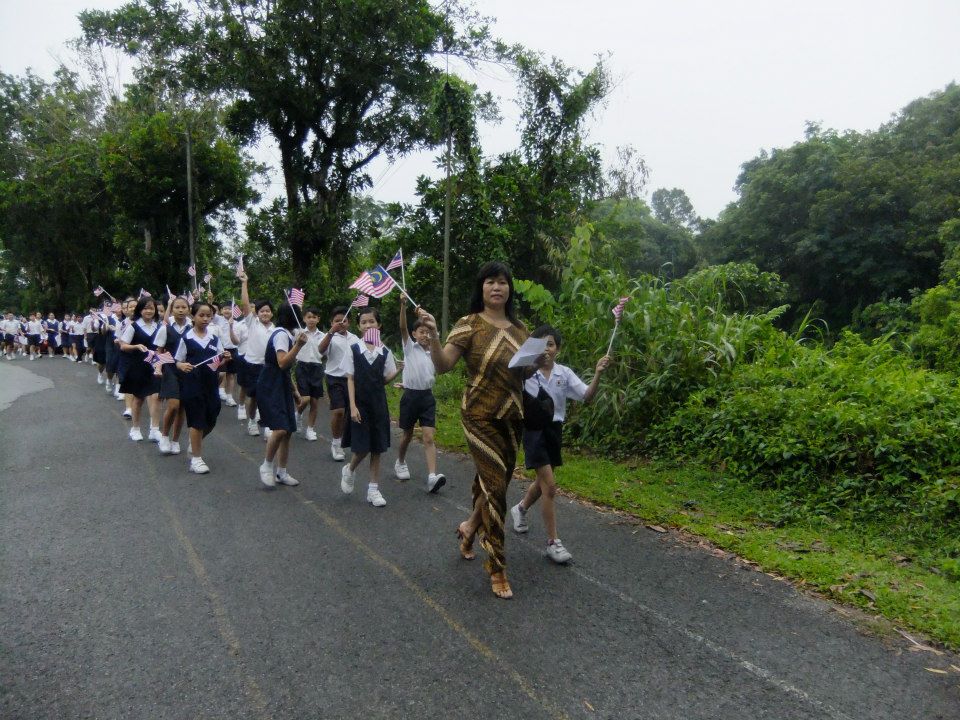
[[235, 311], [201, 290], [372, 337], [143, 294], [206, 278], [216, 362], [158, 358], [189, 298], [618, 310], [296, 297], [397, 261], [98, 291], [376, 282], [192, 271], [239, 266], [361, 301]]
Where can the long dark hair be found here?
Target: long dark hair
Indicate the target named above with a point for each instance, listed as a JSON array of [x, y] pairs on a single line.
[[289, 317], [489, 270]]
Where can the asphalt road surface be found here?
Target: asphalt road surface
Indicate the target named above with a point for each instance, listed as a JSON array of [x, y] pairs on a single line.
[[132, 589]]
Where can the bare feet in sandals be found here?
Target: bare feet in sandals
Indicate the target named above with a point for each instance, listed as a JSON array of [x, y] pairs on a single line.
[[500, 586], [466, 542]]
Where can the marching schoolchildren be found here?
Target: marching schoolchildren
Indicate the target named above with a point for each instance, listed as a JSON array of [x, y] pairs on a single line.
[[309, 374], [334, 346]]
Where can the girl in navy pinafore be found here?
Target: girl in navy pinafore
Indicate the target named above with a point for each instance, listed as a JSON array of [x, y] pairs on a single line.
[[275, 396], [369, 367], [199, 380], [139, 381], [170, 336]]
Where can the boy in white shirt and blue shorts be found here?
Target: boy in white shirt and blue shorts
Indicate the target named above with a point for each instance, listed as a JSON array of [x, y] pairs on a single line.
[[542, 448], [417, 405]]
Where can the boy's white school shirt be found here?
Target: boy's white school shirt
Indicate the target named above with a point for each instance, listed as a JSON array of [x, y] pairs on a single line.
[[242, 335], [310, 352], [418, 370], [563, 384], [389, 367], [258, 335], [337, 350], [34, 327]]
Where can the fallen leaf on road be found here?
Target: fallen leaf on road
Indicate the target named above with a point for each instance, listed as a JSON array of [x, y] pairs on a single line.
[[918, 646], [867, 594], [937, 671], [588, 706], [955, 668], [657, 528]]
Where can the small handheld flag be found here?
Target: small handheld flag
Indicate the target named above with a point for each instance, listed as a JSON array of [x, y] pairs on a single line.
[[143, 294], [235, 311], [207, 277], [361, 301], [192, 271], [376, 283], [98, 291], [617, 315], [296, 297], [189, 298], [372, 337], [397, 261], [158, 358], [239, 266]]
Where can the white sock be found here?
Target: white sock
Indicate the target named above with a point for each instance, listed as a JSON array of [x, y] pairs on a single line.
[[282, 472], [373, 486], [267, 465], [336, 442]]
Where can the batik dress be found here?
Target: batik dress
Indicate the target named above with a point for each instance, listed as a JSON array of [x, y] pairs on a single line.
[[492, 418]]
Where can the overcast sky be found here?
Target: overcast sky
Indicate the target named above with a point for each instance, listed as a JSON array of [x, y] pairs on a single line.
[[703, 85]]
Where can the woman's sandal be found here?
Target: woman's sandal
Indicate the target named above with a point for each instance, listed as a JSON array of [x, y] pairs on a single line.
[[466, 544], [500, 586]]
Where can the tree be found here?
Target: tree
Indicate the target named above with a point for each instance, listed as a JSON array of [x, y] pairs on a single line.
[[336, 83], [673, 207]]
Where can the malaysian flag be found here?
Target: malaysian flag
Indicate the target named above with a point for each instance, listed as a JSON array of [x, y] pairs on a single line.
[[192, 271], [372, 337], [376, 282], [158, 358], [143, 294], [206, 278], [216, 362], [397, 261], [360, 301], [235, 311], [239, 266], [618, 310], [201, 290], [296, 297], [189, 298], [98, 291]]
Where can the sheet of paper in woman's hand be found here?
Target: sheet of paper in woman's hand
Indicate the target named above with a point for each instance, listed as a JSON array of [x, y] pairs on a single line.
[[529, 352]]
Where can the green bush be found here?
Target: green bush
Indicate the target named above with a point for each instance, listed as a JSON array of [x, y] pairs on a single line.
[[854, 428]]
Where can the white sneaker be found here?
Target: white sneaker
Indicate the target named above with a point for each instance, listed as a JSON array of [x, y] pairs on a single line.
[[374, 497], [287, 479], [116, 392], [223, 394], [241, 412], [135, 434], [346, 480], [174, 448], [164, 445], [198, 466], [230, 402], [128, 413], [266, 475], [252, 428], [108, 388], [267, 432], [558, 553], [401, 470], [336, 452], [435, 481], [99, 379], [310, 434], [519, 516], [154, 435]]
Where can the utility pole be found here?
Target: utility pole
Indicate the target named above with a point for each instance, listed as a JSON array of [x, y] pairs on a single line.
[[445, 315], [193, 248]]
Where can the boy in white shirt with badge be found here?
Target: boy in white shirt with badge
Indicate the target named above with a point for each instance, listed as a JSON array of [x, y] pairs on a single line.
[[542, 448], [417, 403]]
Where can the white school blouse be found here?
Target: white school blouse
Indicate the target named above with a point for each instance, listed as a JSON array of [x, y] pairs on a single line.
[[258, 335], [161, 339], [389, 367], [339, 348], [127, 334], [418, 370], [181, 354], [563, 384]]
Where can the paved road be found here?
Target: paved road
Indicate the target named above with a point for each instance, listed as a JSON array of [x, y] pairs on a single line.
[[131, 589]]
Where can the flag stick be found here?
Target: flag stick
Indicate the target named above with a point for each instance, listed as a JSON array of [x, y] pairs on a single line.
[[615, 326], [295, 316], [400, 287], [403, 272], [210, 359]]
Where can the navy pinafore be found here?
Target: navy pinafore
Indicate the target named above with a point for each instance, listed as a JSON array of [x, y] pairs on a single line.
[[139, 380], [275, 392], [373, 433], [199, 388]]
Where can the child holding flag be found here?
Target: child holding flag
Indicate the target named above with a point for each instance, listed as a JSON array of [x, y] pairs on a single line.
[[275, 396], [334, 346], [173, 331], [542, 447], [368, 368], [417, 403], [259, 327], [309, 372], [228, 369], [139, 382], [198, 357]]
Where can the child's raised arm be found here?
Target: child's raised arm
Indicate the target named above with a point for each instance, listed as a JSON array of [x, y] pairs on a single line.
[[403, 320], [602, 365], [244, 295]]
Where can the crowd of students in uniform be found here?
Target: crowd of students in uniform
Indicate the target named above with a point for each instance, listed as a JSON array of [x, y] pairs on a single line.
[[273, 364]]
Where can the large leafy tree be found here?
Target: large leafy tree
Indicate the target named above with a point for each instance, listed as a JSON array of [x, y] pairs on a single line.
[[335, 83], [850, 219], [54, 210]]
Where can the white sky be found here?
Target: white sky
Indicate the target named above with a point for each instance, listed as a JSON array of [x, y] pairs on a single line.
[[703, 85]]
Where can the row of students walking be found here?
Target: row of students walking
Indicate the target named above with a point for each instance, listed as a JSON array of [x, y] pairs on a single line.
[[185, 362]]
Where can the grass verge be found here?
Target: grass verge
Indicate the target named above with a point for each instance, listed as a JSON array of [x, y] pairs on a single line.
[[878, 568]]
